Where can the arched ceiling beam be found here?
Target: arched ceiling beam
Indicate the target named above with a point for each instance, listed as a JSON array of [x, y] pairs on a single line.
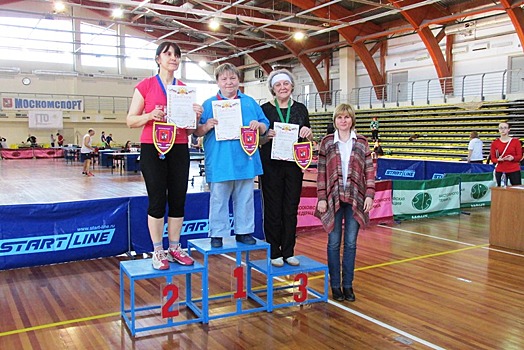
[[416, 17], [517, 18], [349, 33]]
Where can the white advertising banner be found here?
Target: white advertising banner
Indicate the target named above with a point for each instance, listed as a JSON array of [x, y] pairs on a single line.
[[46, 120]]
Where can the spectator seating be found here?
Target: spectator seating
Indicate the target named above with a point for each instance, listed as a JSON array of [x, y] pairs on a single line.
[[443, 131]]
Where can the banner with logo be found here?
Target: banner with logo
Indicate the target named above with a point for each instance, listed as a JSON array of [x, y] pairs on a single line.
[[9, 103], [426, 198], [196, 220], [52, 120], [475, 189], [437, 170], [39, 234], [400, 169], [382, 211]]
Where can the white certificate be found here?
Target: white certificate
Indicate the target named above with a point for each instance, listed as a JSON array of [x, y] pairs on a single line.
[[229, 116], [180, 101], [286, 136]]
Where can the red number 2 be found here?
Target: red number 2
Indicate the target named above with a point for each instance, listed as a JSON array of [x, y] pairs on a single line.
[[166, 312]]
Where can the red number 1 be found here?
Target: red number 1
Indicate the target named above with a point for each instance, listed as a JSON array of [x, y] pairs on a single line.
[[238, 273]]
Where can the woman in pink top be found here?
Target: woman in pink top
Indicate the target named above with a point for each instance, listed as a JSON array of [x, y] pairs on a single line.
[[506, 153], [166, 176]]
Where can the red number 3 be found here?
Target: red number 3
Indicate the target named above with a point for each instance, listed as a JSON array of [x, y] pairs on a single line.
[[302, 288]]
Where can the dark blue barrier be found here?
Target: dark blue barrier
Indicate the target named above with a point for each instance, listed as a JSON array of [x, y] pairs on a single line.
[[196, 223], [39, 234], [437, 170], [400, 169]]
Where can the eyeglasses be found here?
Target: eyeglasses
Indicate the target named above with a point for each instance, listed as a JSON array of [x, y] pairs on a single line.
[[503, 127]]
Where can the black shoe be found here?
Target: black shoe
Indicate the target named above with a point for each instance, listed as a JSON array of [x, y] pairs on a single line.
[[216, 242], [337, 294], [348, 294], [246, 239]]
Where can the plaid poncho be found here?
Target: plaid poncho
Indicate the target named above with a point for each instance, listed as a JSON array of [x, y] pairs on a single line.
[[360, 184]]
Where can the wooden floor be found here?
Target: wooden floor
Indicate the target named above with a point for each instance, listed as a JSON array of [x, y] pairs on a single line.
[[427, 284]]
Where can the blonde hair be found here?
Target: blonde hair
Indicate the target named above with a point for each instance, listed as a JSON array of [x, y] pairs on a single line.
[[345, 107], [226, 67]]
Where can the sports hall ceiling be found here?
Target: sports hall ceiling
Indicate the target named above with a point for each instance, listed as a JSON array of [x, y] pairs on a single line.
[[264, 29]]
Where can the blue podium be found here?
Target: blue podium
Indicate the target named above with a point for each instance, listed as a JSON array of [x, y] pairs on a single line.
[[136, 270], [301, 291], [230, 245]]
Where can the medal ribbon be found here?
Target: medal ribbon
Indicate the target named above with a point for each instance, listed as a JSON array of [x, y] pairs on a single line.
[[280, 112], [162, 84]]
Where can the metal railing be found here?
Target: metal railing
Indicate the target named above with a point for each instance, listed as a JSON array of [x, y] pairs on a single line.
[[473, 87]]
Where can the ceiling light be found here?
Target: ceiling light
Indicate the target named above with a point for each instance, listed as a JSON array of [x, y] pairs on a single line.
[[214, 24], [202, 63], [299, 36], [118, 13], [148, 30], [59, 6]]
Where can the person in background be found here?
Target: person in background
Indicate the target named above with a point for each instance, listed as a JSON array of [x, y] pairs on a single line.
[[230, 172], [196, 143], [32, 139], [127, 146], [86, 152], [3, 142], [377, 149], [165, 179], [52, 140], [345, 192], [282, 180], [374, 128], [109, 139], [330, 129], [103, 138], [59, 139], [475, 148], [506, 153]]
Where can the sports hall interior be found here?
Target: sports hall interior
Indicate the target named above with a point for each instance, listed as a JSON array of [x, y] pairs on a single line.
[[430, 71]]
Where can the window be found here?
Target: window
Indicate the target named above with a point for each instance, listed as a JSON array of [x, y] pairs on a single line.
[[33, 39], [99, 46], [140, 53]]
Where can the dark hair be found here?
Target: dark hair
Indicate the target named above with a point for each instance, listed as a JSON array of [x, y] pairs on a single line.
[[164, 47]]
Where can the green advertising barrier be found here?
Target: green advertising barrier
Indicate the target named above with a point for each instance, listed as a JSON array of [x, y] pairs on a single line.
[[475, 189], [426, 198]]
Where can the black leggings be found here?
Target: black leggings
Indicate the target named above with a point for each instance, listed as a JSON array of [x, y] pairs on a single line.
[[166, 179], [513, 177]]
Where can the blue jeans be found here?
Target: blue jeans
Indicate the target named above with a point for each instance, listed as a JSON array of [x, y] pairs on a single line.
[[351, 228], [241, 193]]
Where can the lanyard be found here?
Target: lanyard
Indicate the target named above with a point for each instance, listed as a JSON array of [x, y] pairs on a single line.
[[162, 84], [280, 112]]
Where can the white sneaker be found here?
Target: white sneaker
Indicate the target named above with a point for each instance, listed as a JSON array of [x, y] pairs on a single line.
[[293, 261], [278, 262], [159, 260]]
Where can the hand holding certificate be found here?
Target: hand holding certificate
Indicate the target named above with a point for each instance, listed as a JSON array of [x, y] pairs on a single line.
[[180, 100], [285, 137], [229, 117]]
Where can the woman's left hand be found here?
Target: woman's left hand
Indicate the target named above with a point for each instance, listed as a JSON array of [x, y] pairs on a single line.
[[198, 109], [368, 204], [305, 133]]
